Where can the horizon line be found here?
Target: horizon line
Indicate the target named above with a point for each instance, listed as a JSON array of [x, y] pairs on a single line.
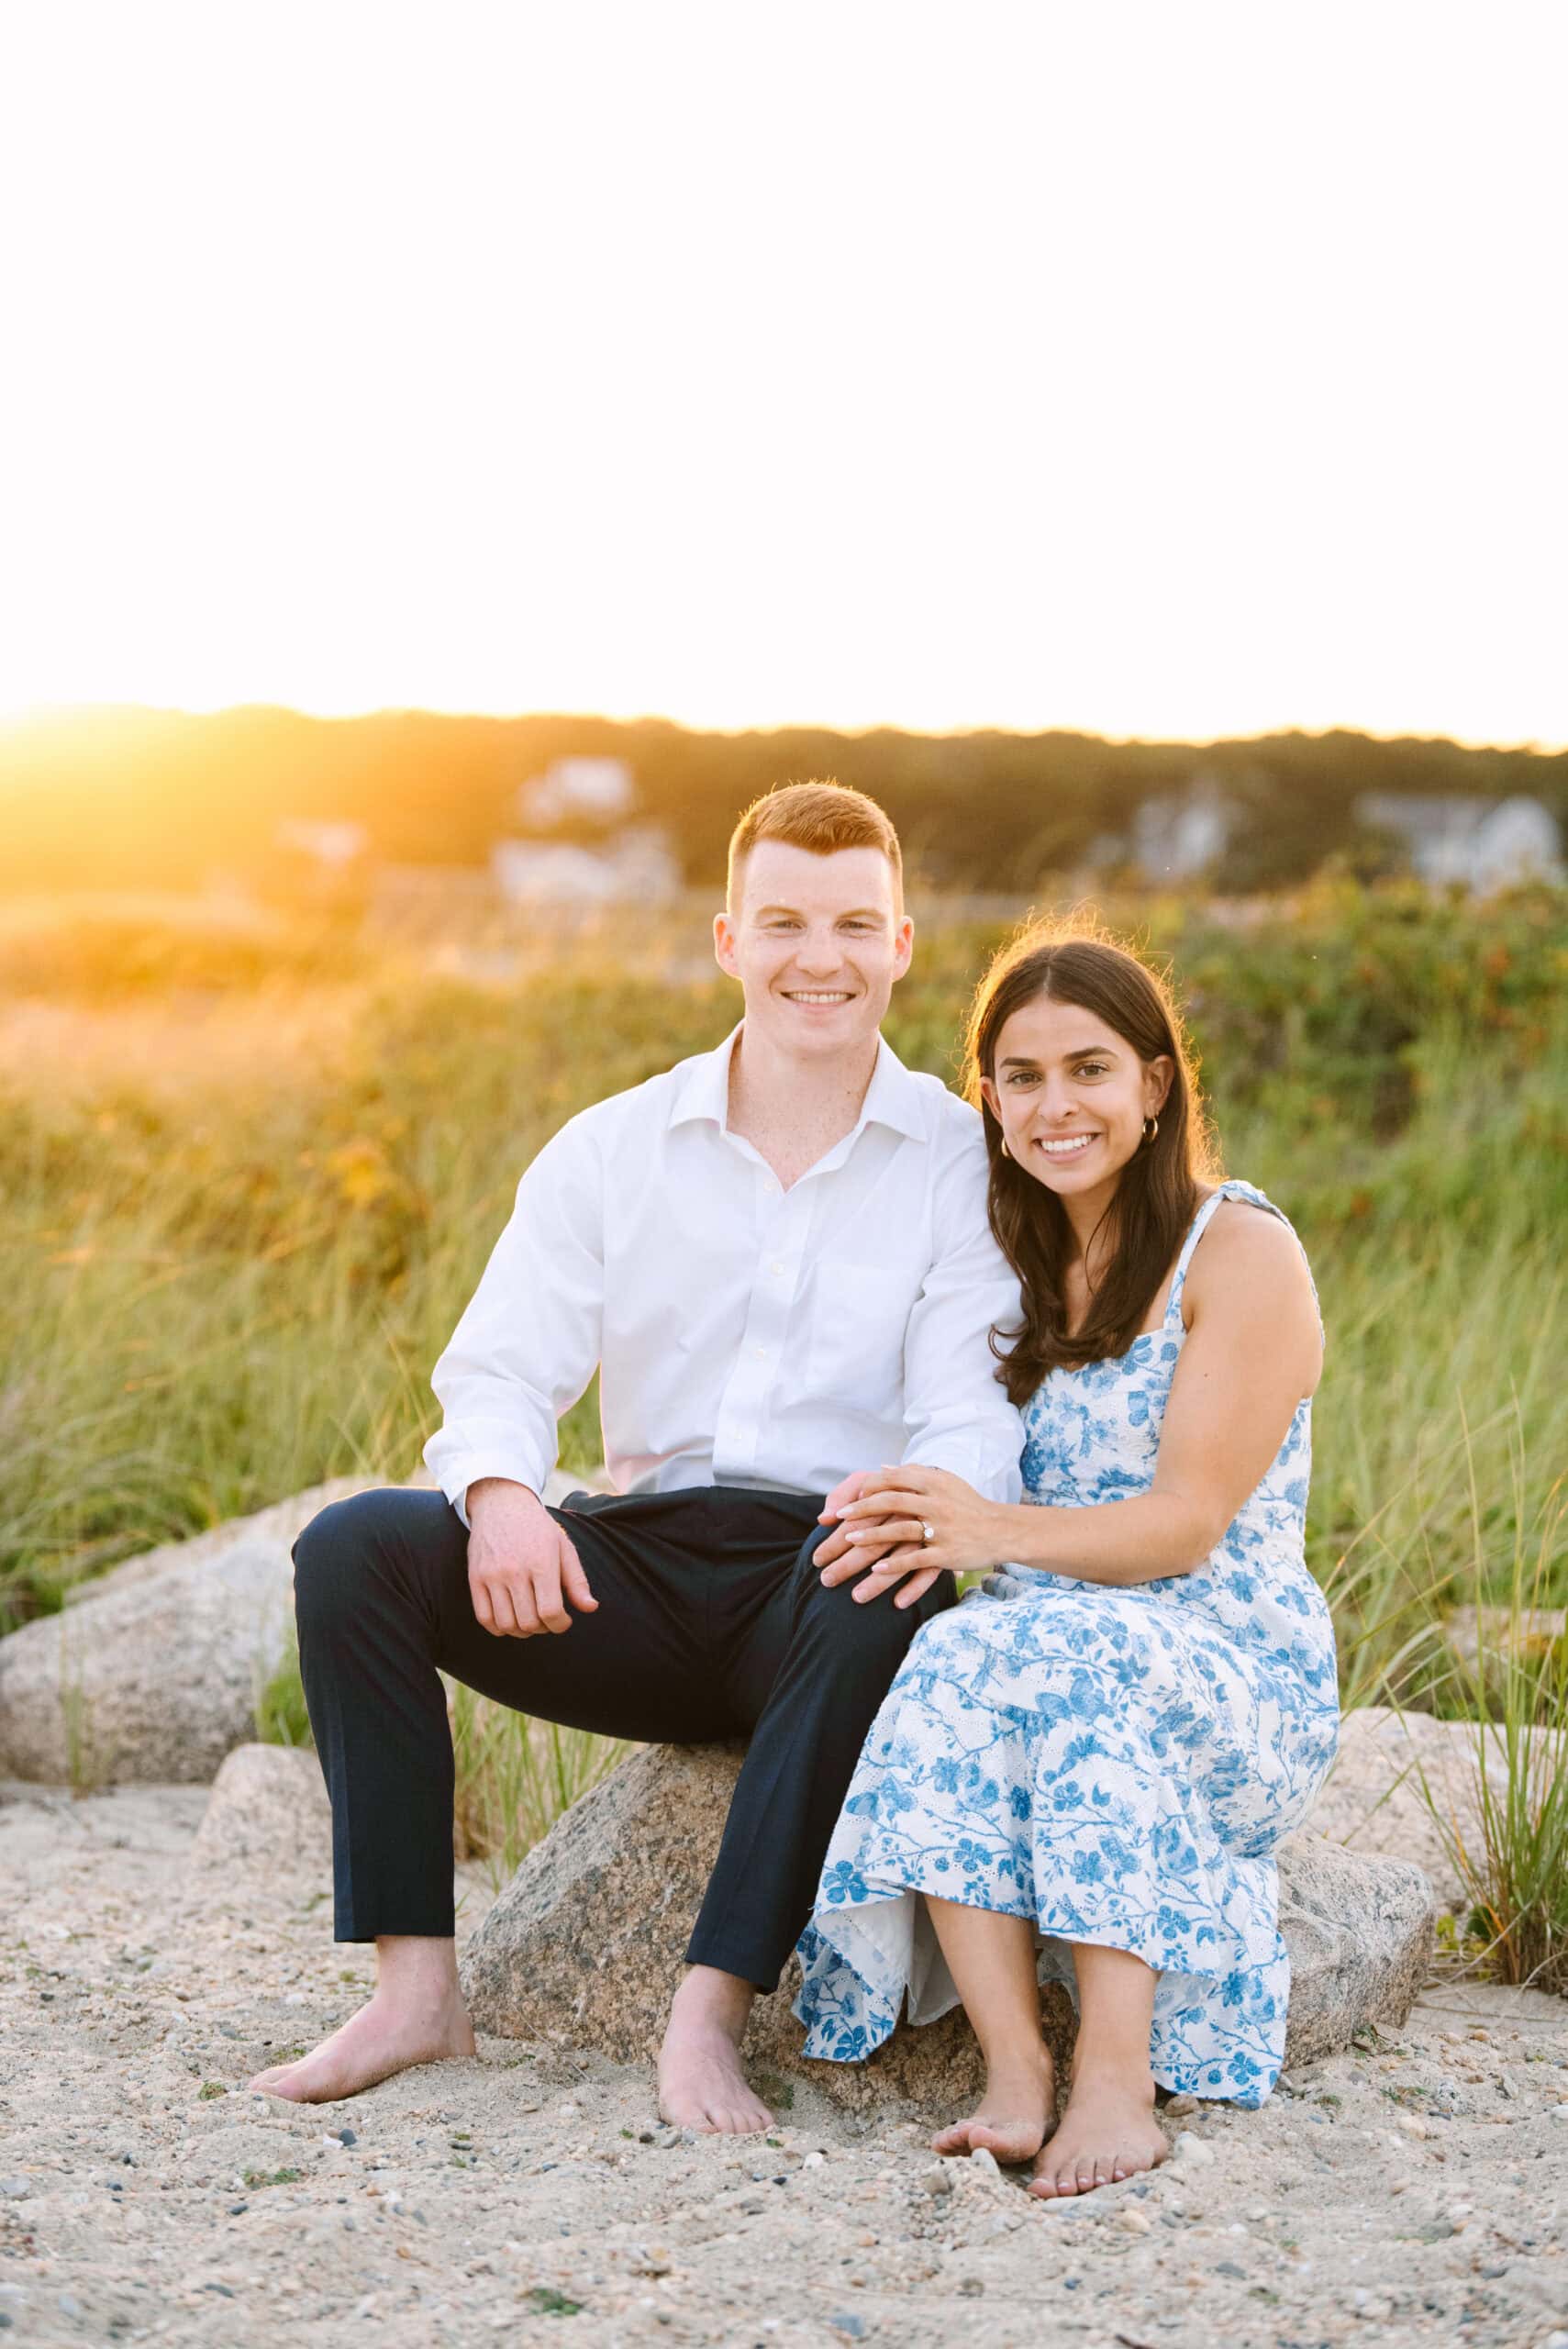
[[45, 714]]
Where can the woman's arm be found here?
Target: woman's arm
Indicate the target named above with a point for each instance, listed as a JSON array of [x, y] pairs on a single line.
[[1253, 1350]]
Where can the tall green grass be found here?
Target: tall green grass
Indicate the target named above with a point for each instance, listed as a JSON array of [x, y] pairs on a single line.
[[245, 1192]]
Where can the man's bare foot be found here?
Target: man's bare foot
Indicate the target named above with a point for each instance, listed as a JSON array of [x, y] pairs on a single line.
[[386, 2036], [1107, 2133], [1015, 2114], [701, 2085]]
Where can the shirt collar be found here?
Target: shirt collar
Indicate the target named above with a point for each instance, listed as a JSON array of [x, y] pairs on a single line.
[[892, 1097]]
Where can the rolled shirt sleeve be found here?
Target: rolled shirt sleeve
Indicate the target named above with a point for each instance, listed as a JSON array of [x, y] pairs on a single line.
[[957, 1415], [529, 1341]]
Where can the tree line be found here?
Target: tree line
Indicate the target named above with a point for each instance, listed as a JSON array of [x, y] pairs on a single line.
[[128, 797]]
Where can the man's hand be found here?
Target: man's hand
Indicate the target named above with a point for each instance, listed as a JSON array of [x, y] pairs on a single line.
[[522, 1570], [838, 1559]]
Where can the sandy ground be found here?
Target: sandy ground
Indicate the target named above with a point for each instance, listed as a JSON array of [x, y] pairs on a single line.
[[1413, 2191]]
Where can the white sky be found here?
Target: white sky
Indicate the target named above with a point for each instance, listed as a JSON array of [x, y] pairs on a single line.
[[1158, 369]]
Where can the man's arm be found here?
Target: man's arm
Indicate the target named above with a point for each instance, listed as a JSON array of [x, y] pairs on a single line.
[[528, 1343], [956, 1413]]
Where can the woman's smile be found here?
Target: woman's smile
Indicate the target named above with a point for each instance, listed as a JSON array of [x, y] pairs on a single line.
[[1061, 1146]]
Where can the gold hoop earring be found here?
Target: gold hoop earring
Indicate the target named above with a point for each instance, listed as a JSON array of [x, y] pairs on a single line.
[[1006, 1152], [1150, 1128]]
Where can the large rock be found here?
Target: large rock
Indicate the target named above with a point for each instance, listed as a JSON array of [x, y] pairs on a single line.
[[157, 1679], [154, 1672], [1399, 1775], [268, 1812], [587, 1943]]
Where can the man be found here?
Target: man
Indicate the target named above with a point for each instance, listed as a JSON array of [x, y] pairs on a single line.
[[777, 1256]]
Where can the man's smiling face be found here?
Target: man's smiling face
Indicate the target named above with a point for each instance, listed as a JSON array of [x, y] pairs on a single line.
[[817, 943]]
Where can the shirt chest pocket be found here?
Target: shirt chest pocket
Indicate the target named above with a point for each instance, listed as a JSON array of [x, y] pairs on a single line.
[[859, 1323]]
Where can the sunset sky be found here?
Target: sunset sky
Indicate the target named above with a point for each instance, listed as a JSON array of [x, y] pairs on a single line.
[[1155, 371]]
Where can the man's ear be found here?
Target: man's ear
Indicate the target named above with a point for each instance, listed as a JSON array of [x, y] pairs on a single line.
[[724, 943], [903, 946]]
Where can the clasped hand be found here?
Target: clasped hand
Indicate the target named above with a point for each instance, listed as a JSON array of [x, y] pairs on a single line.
[[881, 1516]]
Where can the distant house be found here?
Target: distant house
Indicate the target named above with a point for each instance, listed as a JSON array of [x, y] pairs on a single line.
[[638, 865], [1180, 838], [1482, 843], [602, 789], [332, 846]]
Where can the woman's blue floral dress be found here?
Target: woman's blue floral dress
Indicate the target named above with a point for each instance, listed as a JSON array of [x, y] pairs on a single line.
[[1116, 1765]]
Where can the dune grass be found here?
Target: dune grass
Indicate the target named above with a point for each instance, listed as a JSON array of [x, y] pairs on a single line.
[[244, 1201]]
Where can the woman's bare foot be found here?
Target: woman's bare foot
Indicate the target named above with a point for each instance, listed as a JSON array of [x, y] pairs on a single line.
[[416, 2017], [1015, 2114], [1107, 2133], [701, 2085]]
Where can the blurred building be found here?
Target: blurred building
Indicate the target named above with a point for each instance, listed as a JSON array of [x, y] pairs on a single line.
[[636, 865], [602, 790], [1484, 844], [333, 847], [1182, 837]]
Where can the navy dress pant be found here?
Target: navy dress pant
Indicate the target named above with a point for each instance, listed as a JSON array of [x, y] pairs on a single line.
[[712, 1622]]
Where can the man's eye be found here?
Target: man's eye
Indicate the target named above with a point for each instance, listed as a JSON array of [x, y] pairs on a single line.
[[1091, 1068]]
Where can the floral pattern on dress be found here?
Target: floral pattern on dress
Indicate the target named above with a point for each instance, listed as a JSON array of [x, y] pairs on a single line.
[[1114, 1765]]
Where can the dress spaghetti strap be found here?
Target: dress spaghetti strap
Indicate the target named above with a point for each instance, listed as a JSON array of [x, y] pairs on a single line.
[[1230, 1189]]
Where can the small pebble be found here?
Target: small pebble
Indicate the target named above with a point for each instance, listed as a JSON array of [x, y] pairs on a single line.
[[1134, 2220], [938, 2181], [983, 2159], [1178, 2107], [1192, 2149], [842, 2321]]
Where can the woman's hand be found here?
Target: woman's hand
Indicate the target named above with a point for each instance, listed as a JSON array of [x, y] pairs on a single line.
[[896, 1506]]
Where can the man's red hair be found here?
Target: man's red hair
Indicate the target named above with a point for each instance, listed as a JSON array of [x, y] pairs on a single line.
[[820, 817]]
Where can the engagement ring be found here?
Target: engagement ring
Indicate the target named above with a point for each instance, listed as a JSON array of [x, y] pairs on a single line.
[[927, 1533]]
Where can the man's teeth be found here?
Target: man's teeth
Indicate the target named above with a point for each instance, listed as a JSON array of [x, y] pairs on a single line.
[[1068, 1149], [799, 995]]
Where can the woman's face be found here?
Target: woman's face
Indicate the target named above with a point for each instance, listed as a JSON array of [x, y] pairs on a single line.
[[1071, 1096]]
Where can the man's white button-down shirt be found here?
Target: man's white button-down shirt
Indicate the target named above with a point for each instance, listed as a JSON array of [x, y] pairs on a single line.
[[745, 1334]]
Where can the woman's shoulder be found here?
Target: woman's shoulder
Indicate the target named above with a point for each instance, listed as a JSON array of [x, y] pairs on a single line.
[[1247, 1243]]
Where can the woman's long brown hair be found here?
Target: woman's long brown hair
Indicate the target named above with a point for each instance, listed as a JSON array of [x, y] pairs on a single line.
[[1158, 1194]]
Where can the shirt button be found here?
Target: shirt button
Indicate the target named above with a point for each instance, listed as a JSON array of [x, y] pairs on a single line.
[[762, 1351], [776, 1268]]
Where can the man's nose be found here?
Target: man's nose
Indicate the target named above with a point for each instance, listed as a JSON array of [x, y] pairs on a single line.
[[820, 953]]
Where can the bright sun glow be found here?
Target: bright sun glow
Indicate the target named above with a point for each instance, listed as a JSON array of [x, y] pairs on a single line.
[[1153, 370]]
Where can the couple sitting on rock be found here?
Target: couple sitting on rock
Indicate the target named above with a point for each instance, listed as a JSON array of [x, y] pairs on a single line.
[[842, 1323]]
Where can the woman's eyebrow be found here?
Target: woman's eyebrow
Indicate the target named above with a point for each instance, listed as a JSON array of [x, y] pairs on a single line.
[[1080, 1053]]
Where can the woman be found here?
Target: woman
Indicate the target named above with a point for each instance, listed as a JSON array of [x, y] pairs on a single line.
[[1103, 1746]]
